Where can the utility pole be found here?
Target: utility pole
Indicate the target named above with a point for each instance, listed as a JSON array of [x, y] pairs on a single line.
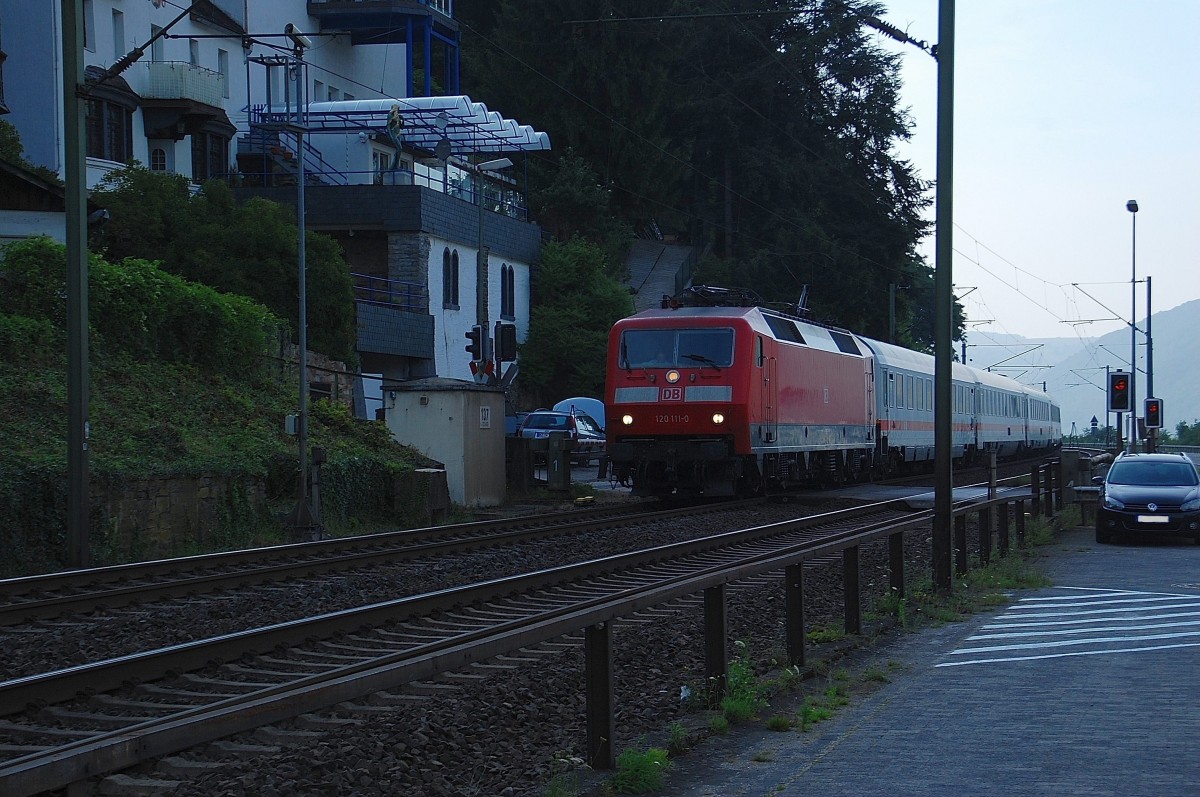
[[75, 174], [943, 502]]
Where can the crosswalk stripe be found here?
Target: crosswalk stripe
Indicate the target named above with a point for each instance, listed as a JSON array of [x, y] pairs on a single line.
[[1063, 624]]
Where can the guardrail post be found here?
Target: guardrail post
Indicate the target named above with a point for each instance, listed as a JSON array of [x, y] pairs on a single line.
[[896, 562], [850, 585], [1035, 488], [1049, 491], [1059, 483], [597, 654], [1002, 527], [1021, 523], [960, 544], [985, 536], [716, 655], [793, 601]]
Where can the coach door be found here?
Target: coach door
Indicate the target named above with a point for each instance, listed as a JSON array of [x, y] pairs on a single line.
[[768, 395]]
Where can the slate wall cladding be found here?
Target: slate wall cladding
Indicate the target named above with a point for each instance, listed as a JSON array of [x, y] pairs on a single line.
[[388, 330], [411, 209], [409, 216]]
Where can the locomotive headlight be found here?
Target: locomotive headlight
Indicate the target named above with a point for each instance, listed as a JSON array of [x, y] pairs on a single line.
[[672, 376], [718, 418], [627, 420]]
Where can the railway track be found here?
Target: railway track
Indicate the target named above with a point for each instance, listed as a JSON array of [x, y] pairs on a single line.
[[60, 727], [32, 598]]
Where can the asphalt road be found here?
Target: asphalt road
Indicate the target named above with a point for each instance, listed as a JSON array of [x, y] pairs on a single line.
[[1088, 687]]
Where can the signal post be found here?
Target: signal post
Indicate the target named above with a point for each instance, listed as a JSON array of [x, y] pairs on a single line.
[[1118, 402]]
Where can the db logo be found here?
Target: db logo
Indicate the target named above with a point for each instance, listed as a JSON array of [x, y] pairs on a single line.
[[671, 394]]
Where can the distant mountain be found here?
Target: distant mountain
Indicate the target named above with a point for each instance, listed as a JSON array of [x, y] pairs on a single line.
[[1073, 368]]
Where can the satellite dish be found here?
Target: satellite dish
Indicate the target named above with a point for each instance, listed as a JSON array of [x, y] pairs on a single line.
[[442, 150]]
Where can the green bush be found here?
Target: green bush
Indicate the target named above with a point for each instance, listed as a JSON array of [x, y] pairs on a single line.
[[136, 307]]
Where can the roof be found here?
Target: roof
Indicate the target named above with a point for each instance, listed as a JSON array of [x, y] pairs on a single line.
[[422, 122]]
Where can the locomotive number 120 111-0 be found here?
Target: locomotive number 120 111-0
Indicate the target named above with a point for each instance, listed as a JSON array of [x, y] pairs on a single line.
[[671, 419]]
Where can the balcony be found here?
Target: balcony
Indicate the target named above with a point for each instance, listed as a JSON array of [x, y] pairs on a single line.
[[179, 80], [386, 21], [181, 99]]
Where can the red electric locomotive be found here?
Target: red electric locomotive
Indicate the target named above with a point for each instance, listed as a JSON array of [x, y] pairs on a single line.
[[731, 400], [716, 401]]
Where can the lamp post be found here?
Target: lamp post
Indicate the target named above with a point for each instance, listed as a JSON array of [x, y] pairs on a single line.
[[1132, 207]]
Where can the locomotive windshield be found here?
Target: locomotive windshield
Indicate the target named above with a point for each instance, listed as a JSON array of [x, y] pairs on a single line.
[[673, 348]]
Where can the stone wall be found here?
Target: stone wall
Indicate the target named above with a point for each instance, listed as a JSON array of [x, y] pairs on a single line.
[[329, 374], [155, 516]]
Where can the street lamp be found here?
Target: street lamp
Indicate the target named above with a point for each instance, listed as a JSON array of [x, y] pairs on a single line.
[[1132, 207]]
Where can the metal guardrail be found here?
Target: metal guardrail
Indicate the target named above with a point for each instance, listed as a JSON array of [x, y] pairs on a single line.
[[747, 553]]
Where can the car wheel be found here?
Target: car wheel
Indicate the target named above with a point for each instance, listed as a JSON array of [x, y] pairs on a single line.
[[1103, 536]]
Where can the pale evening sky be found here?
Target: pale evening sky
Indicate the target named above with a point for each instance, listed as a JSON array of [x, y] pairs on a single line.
[[1064, 110]]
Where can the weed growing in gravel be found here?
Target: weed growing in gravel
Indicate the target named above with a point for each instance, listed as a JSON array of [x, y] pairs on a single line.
[[745, 695], [763, 756], [678, 742], [876, 673], [562, 785], [780, 723], [819, 635], [821, 707], [895, 605], [718, 724], [641, 771]]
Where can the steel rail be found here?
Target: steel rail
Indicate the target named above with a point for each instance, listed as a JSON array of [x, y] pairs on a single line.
[[123, 585], [103, 752], [61, 685]]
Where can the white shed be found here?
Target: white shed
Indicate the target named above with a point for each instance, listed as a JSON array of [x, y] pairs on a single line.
[[457, 423]]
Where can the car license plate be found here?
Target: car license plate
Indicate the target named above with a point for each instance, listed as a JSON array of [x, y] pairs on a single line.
[[1153, 519]]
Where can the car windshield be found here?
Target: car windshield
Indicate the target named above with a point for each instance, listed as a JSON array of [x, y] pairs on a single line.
[[1152, 474], [546, 421], [587, 424]]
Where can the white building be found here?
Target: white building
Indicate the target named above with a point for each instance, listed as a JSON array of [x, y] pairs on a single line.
[[216, 90]]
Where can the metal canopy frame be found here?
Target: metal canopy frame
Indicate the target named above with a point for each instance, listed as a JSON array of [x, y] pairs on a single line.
[[424, 123]]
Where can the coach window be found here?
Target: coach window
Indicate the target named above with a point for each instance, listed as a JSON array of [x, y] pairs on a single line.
[[758, 352], [908, 388]]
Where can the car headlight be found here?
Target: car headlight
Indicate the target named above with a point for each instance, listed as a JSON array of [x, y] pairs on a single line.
[[1112, 503], [1190, 506]]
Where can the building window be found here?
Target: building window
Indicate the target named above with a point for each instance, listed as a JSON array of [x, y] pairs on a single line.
[[450, 278], [508, 292], [109, 131], [118, 30], [89, 26], [156, 46], [223, 71], [158, 160], [194, 52], [210, 156]]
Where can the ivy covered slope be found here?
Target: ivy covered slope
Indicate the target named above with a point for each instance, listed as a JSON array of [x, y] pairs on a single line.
[[179, 386]]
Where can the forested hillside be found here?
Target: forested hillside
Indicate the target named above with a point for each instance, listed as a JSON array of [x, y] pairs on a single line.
[[760, 132]]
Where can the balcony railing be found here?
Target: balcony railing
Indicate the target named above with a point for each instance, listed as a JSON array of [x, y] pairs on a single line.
[[174, 80], [409, 296], [445, 7]]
